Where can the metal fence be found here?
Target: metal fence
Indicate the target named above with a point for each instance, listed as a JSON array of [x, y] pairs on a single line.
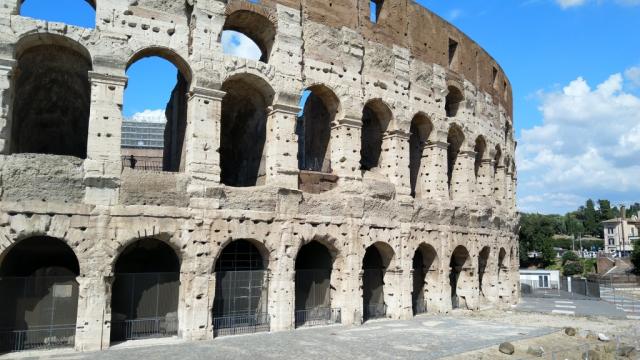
[[144, 305], [375, 311], [241, 324], [318, 316], [419, 308], [142, 163], [37, 312], [622, 291], [567, 286]]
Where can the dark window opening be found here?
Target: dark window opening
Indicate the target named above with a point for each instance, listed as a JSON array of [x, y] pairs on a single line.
[[319, 109], [252, 26], [145, 293], [375, 7], [494, 78], [244, 130], [374, 266], [455, 140], [313, 286], [51, 102], [39, 297], [375, 120], [453, 48], [483, 260], [479, 149], [240, 303], [452, 101], [421, 128], [153, 129], [457, 265]]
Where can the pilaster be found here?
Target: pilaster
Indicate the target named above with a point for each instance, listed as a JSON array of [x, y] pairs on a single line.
[[345, 149], [433, 171], [6, 100], [281, 148], [394, 161]]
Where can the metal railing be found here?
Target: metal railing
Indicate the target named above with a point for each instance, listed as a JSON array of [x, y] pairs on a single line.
[[36, 338], [144, 328], [419, 308], [142, 163], [241, 324], [318, 317], [375, 311]]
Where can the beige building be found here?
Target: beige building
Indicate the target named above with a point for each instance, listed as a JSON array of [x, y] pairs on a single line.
[[393, 195], [620, 234]]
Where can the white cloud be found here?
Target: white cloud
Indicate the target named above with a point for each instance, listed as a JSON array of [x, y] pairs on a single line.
[[565, 4], [570, 3], [150, 116], [633, 75], [238, 44], [587, 146], [455, 14]]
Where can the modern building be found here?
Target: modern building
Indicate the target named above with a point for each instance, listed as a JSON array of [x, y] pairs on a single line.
[[540, 279], [620, 235], [143, 138]]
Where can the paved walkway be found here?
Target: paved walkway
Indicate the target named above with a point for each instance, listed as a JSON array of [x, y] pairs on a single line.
[[623, 301], [567, 306], [424, 337]]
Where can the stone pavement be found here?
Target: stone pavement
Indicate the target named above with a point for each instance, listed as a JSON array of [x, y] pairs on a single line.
[[424, 337]]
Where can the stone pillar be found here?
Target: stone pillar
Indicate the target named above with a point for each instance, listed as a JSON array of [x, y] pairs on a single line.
[[394, 161], [508, 186], [93, 324], [281, 297], [345, 149], [103, 164], [281, 147], [463, 179], [498, 185], [433, 173], [484, 180], [204, 112], [196, 301], [6, 101], [394, 294]]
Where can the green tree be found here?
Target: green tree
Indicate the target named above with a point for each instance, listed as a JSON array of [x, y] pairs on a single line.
[[569, 256], [572, 268], [635, 256], [548, 254], [591, 219]]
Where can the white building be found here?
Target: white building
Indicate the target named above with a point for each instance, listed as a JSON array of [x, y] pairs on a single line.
[[545, 279], [620, 234]]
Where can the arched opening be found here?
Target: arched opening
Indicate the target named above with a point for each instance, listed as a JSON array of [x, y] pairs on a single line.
[[51, 99], [501, 259], [73, 12], [320, 106], [39, 295], [244, 130], [155, 112], [240, 303], [244, 29], [424, 277], [483, 261], [374, 265], [479, 148], [313, 286], [458, 277], [496, 167], [421, 128], [376, 117], [452, 101], [145, 292], [455, 139]]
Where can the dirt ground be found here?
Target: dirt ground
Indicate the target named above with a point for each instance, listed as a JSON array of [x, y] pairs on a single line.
[[559, 345]]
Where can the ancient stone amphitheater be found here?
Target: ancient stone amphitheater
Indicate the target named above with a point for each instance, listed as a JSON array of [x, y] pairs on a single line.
[[390, 193]]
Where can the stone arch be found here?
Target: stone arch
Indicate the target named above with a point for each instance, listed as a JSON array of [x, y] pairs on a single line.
[[51, 102], [241, 287], [455, 141], [123, 243], [376, 117], [483, 263], [480, 148], [319, 115], [245, 109], [262, 249], [421, 135], [502, 256], [425, 278], [183, 66], [145, 290], [459, 276], [375, 264], [453, 100], [256, 26], [93, 3]]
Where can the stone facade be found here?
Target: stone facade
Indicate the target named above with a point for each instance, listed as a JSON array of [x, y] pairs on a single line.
[[442, 179]]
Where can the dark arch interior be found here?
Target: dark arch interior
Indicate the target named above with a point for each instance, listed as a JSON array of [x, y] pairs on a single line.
[[313, 282], [165, 148], [423, 260], [452, 101], [314, 130], [51, 102], [244, 126], [458, 261], [375, 119], [483, 260], [479, 149], [501, 257], [374, 267], [240, 285], [256, 27], [144, 299], [421, 129], [455, 139], [38, 290]]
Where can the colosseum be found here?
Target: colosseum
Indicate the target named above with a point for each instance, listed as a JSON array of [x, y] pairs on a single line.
[[388, 193]]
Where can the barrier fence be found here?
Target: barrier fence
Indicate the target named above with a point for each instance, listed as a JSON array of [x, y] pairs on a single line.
[[375, 311], [318, 316], [241, 324]]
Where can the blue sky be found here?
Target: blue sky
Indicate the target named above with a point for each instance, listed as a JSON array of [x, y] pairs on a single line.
[[575, 70]]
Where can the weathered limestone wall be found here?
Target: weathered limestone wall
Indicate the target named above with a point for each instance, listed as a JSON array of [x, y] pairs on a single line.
[[400, 64]]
